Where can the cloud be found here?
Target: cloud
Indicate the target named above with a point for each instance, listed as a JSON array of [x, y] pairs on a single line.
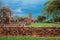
[[18, 10]]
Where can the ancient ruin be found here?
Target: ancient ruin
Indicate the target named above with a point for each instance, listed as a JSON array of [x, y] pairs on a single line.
[[5, 15], [7, 18]]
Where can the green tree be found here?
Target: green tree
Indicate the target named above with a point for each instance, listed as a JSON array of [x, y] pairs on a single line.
[[16, 18], [41, 18], [53, 8], [57, 19]]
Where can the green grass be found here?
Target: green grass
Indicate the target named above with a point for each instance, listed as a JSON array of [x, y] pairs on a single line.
[[27, 38], [44, 25]]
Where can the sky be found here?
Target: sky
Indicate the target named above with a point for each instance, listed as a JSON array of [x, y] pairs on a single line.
[[23, 7]]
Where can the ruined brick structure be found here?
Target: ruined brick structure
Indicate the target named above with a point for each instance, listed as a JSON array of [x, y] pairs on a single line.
[[30, 31], [29, 19], [5, 14]]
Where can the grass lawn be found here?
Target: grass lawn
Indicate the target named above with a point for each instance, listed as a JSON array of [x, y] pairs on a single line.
[[27, 38], [44, 25]]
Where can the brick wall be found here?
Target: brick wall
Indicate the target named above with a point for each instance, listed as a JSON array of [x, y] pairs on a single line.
[[30, 31]]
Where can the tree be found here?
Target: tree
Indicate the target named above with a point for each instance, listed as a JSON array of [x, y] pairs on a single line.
[[41, 18], [21, 19], [53, 8], [57, 19], [18, 18]]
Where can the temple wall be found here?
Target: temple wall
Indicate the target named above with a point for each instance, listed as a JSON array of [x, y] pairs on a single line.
[[30, 31]]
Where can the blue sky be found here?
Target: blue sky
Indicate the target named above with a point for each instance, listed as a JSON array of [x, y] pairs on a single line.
[[22, 7]]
